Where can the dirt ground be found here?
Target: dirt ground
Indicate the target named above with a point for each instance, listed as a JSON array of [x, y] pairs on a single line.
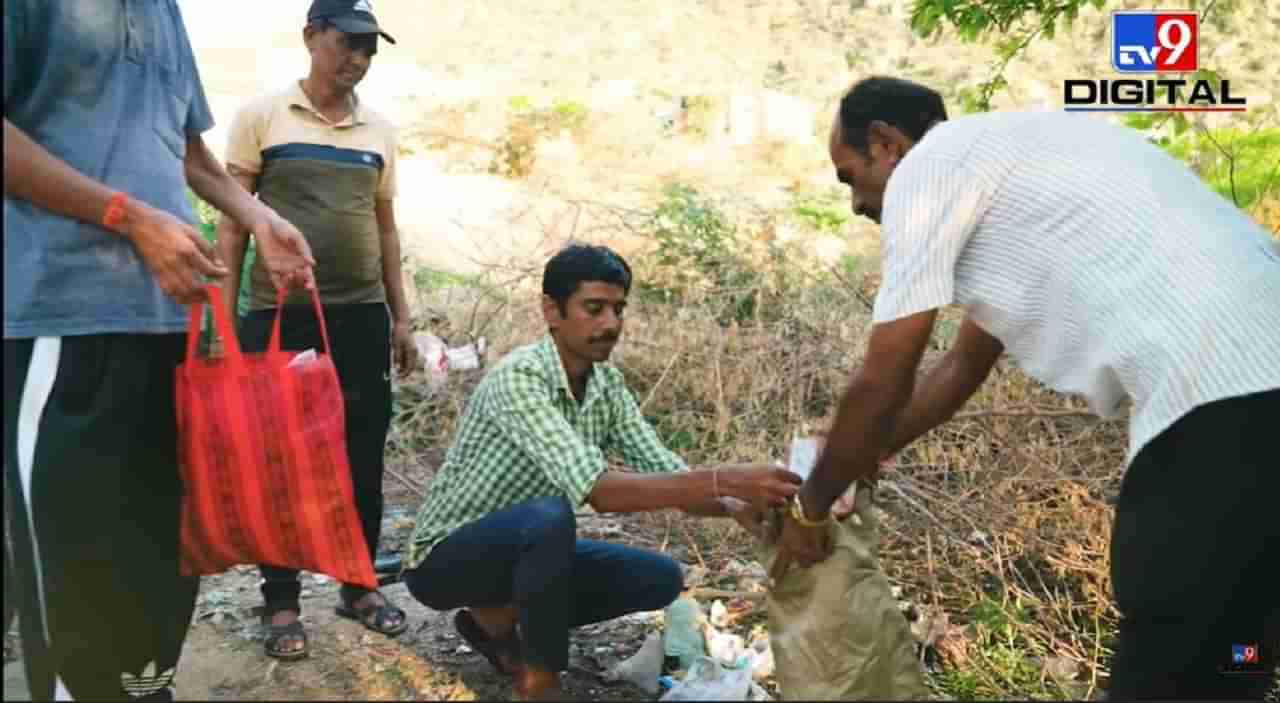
[[224, 660]]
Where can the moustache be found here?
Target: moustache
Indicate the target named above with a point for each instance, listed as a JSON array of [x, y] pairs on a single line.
[[604, 338]]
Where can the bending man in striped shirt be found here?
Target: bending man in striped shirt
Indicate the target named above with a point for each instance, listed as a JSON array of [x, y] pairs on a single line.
[[1105, 268]]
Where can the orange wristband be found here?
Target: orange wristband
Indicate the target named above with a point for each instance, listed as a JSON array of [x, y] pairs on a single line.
[[114, 212]]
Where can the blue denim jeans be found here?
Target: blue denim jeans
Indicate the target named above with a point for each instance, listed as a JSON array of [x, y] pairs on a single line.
[[529, 555]]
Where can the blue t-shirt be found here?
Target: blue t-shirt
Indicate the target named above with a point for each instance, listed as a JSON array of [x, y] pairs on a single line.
[[111, 88]]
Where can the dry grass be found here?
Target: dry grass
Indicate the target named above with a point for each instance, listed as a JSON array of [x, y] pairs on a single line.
[[999, 518]]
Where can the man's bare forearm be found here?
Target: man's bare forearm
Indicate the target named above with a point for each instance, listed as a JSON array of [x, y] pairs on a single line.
[[868, 414], [393, 277], [716, 507], [944, 390], [625, 492], [232, 244], [33, 174], [214, 185], [392, 274]]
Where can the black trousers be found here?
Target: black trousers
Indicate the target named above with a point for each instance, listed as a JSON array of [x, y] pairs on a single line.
[[1194, 555], [90, 459], [361, 339]]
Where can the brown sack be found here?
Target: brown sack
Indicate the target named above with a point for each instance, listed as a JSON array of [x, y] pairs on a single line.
[[836, 630]]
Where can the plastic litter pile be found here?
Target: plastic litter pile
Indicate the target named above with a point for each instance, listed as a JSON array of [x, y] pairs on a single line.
[[709, 663]]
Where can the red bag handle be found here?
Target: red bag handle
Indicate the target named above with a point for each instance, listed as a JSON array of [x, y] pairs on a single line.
[[273, 347], [221, 327]]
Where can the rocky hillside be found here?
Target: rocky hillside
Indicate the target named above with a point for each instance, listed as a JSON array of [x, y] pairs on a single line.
[[515, 114]]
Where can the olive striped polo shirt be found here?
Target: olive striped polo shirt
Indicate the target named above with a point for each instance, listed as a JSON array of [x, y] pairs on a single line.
[[325, 178]]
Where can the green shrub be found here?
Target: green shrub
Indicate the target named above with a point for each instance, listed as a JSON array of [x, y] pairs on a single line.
[[698, 257], [1241, 166], [825, 214], [207, 223], [516, 151]]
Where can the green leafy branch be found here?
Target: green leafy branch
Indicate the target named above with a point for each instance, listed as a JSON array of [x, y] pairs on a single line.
[[1017, 23]]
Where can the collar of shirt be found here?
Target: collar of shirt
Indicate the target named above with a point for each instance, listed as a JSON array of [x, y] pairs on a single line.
[[298, 98], [549, 355]]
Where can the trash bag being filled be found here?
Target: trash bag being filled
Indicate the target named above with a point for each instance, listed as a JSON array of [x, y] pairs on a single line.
[[836, 630]]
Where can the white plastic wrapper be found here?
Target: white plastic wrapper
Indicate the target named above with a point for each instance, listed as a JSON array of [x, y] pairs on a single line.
[[709, 680], [434, 361], [303, 357], [802, 459], [803, 456], [438, 360]]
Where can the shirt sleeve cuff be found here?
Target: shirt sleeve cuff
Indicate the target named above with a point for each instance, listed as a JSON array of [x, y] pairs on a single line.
[[578, 482]]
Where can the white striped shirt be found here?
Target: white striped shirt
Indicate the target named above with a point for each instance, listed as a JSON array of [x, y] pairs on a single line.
[[1104, 266]]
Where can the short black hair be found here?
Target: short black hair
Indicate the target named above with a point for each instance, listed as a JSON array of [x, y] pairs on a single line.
[[577, 263], [910, 107]]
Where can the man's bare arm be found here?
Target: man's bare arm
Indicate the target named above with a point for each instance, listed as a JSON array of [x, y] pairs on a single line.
[[210, 181], [233, 241], [698, 492], [33, 174], [948, 385], [868, 413], [392, 277], [283, 250], [172, 250]]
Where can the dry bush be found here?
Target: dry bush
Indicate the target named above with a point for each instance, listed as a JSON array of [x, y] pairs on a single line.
[[1002, 510]]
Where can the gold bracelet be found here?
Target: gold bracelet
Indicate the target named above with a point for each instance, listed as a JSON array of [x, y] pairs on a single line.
[[797, 514]]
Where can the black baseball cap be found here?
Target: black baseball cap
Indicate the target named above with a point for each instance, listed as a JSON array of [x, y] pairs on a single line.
[[350, 16]]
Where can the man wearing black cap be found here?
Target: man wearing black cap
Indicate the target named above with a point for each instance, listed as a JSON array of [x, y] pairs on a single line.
[[318, 155]]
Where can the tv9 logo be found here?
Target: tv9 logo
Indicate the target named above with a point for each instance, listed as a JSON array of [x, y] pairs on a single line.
[[1154, 42]]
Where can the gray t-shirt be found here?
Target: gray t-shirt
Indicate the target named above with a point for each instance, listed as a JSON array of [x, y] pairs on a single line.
[[111, 88]]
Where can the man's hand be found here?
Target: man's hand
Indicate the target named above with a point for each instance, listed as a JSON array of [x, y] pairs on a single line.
[[805, 545], [173, 251], [404, 348], [762, 485], [752, 518], [284, 251]]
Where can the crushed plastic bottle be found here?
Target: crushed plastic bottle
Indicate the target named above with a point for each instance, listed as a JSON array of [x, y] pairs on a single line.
[[681, 637]]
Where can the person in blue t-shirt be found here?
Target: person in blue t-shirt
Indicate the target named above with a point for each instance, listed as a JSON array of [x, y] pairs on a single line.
[[103, 112]]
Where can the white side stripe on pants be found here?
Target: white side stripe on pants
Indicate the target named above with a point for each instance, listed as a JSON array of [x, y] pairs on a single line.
[[43, 371]]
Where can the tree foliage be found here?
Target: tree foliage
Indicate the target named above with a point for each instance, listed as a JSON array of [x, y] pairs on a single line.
[[1011, 25]]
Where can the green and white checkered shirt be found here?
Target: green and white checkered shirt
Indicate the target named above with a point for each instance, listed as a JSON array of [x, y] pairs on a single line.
[[525, 436]]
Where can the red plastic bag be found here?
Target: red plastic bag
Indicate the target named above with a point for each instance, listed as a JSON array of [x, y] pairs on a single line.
[[263, 459]]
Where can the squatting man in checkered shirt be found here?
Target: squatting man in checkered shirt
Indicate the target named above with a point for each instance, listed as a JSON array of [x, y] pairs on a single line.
[[1106, 268], [496, 533]]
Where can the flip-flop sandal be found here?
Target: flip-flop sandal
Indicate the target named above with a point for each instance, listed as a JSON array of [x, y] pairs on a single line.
[[492, 649], [382, 614], [276, 633]]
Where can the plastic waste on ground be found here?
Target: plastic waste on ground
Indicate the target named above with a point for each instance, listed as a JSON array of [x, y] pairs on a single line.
[[725, 647], [438, 359], [644, 667], [719, 614], [708, 680], [760, 659], [681, 637]]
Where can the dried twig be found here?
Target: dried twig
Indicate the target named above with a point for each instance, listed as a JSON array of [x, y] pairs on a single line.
[[649, 396], [1030, 412], [416, 488], [710, 593]]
